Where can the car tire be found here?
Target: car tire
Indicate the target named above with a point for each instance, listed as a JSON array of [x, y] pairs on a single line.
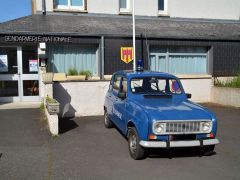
[[107, 122], [208, 150], [136, 151]]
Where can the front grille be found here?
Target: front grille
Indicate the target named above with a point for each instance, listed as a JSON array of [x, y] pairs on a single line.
[[183, 127]]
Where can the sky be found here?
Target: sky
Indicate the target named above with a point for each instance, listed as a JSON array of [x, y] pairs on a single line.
[[13, 9]]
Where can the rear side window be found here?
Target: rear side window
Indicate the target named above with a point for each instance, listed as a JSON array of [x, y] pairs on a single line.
[[116, 82]]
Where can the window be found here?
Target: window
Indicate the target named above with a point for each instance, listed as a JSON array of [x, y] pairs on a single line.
[[116, 82], [61, 58], [125, 5], [179, 60], [124, 85], [162, 6], [70, 4], [155, 85]]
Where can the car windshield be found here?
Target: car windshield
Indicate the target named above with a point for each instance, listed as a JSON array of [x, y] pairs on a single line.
[[155, 85]]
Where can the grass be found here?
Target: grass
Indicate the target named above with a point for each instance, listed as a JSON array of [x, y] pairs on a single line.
[[72, 72], [234, 83], [87, 73]]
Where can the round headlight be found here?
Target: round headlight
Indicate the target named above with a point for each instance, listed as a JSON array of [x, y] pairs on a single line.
[[206, 126], [158, 128]]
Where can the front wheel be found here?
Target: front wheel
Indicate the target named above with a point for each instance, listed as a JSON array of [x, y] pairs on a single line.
[[136, 151], [107, 122]]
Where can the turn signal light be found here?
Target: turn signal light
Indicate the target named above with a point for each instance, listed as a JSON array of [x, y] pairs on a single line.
[[151, 137]]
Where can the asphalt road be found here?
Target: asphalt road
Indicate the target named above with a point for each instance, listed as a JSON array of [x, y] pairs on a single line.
[[86, 150]]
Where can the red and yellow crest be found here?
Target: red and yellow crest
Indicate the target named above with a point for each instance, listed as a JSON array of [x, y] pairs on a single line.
[[126, 54]]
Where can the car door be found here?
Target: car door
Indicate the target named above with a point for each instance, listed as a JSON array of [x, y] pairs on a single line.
[[120, 105], [116, 115]]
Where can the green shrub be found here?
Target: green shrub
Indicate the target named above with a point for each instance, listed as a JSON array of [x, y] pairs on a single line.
[[87, 73], [234, 83], [50, 100], [41, 107], [72, 72]]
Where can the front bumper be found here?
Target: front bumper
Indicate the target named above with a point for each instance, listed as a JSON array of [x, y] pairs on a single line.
[[168, 144]]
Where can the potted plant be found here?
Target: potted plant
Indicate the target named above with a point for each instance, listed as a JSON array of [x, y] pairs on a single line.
[[86, 73], [73, 75], [52, 105]]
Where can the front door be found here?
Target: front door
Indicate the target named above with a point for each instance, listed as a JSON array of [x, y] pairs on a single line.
[[18, 74]]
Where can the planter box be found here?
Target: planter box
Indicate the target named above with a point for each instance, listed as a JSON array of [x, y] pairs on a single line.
[[76, 78], [226, 96], [53, 108]]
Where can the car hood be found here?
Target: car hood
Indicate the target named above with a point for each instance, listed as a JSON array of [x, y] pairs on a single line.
[[170, 109]]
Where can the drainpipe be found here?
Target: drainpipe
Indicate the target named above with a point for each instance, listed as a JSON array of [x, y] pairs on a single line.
[[44, 7], [102, 56]]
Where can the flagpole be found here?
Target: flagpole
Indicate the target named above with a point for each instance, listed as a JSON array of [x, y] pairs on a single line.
[[134, 36]]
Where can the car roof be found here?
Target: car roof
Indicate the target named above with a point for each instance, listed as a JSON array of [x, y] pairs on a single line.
[[145, 73]]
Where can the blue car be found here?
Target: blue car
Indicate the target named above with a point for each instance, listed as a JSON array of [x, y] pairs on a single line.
[[152, 110]]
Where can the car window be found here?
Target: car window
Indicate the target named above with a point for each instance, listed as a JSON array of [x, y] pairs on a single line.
[[116, 82], [124, 85], [158, 85]]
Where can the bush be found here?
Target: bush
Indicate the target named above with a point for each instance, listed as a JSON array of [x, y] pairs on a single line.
[[86, 73], [234, 83], [50, 100], [72, 72]]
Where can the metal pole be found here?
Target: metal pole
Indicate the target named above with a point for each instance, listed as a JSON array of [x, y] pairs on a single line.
[[134, 37]]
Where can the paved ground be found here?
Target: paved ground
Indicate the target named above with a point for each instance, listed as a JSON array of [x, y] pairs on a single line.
[[86, 150]]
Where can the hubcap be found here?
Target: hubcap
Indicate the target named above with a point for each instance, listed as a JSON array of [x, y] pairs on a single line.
[[133, 144]]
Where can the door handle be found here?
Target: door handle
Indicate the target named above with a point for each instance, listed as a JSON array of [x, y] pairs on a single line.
[[14, 66]]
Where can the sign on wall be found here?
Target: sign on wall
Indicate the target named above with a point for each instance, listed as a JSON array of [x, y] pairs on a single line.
[[33, 65], [49, 39], [126, 54], [3, 63]]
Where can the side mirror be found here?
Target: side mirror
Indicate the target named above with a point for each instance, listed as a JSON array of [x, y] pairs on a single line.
[[122, 95], [189, 96]]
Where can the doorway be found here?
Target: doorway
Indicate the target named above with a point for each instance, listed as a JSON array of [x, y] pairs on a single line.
[[19, 76]]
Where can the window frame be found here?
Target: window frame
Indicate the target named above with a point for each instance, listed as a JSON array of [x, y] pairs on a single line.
[[165, 11], [128, 9], [69, 6], [167, 54]]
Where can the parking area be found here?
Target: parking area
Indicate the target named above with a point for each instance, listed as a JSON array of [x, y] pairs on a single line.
[[86, 150]]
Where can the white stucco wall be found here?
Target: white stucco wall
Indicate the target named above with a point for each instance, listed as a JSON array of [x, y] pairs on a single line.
[[199, 88], [49, 5], [80, 98], [213, 9], [87, 98], [103, 6], [208, 9], [226, 96], [146, 7]]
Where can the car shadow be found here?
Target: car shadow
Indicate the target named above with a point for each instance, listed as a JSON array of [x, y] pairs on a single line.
[[172, 152], [177, 153], [66, 124]]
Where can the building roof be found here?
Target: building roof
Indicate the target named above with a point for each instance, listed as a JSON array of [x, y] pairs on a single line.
[[116, 25]]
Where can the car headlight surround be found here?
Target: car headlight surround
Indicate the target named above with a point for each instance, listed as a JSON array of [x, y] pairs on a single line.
[[159, 127], [206, 127]]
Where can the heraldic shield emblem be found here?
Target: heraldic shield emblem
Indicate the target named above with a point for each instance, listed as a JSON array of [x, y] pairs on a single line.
[[126, 54]]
